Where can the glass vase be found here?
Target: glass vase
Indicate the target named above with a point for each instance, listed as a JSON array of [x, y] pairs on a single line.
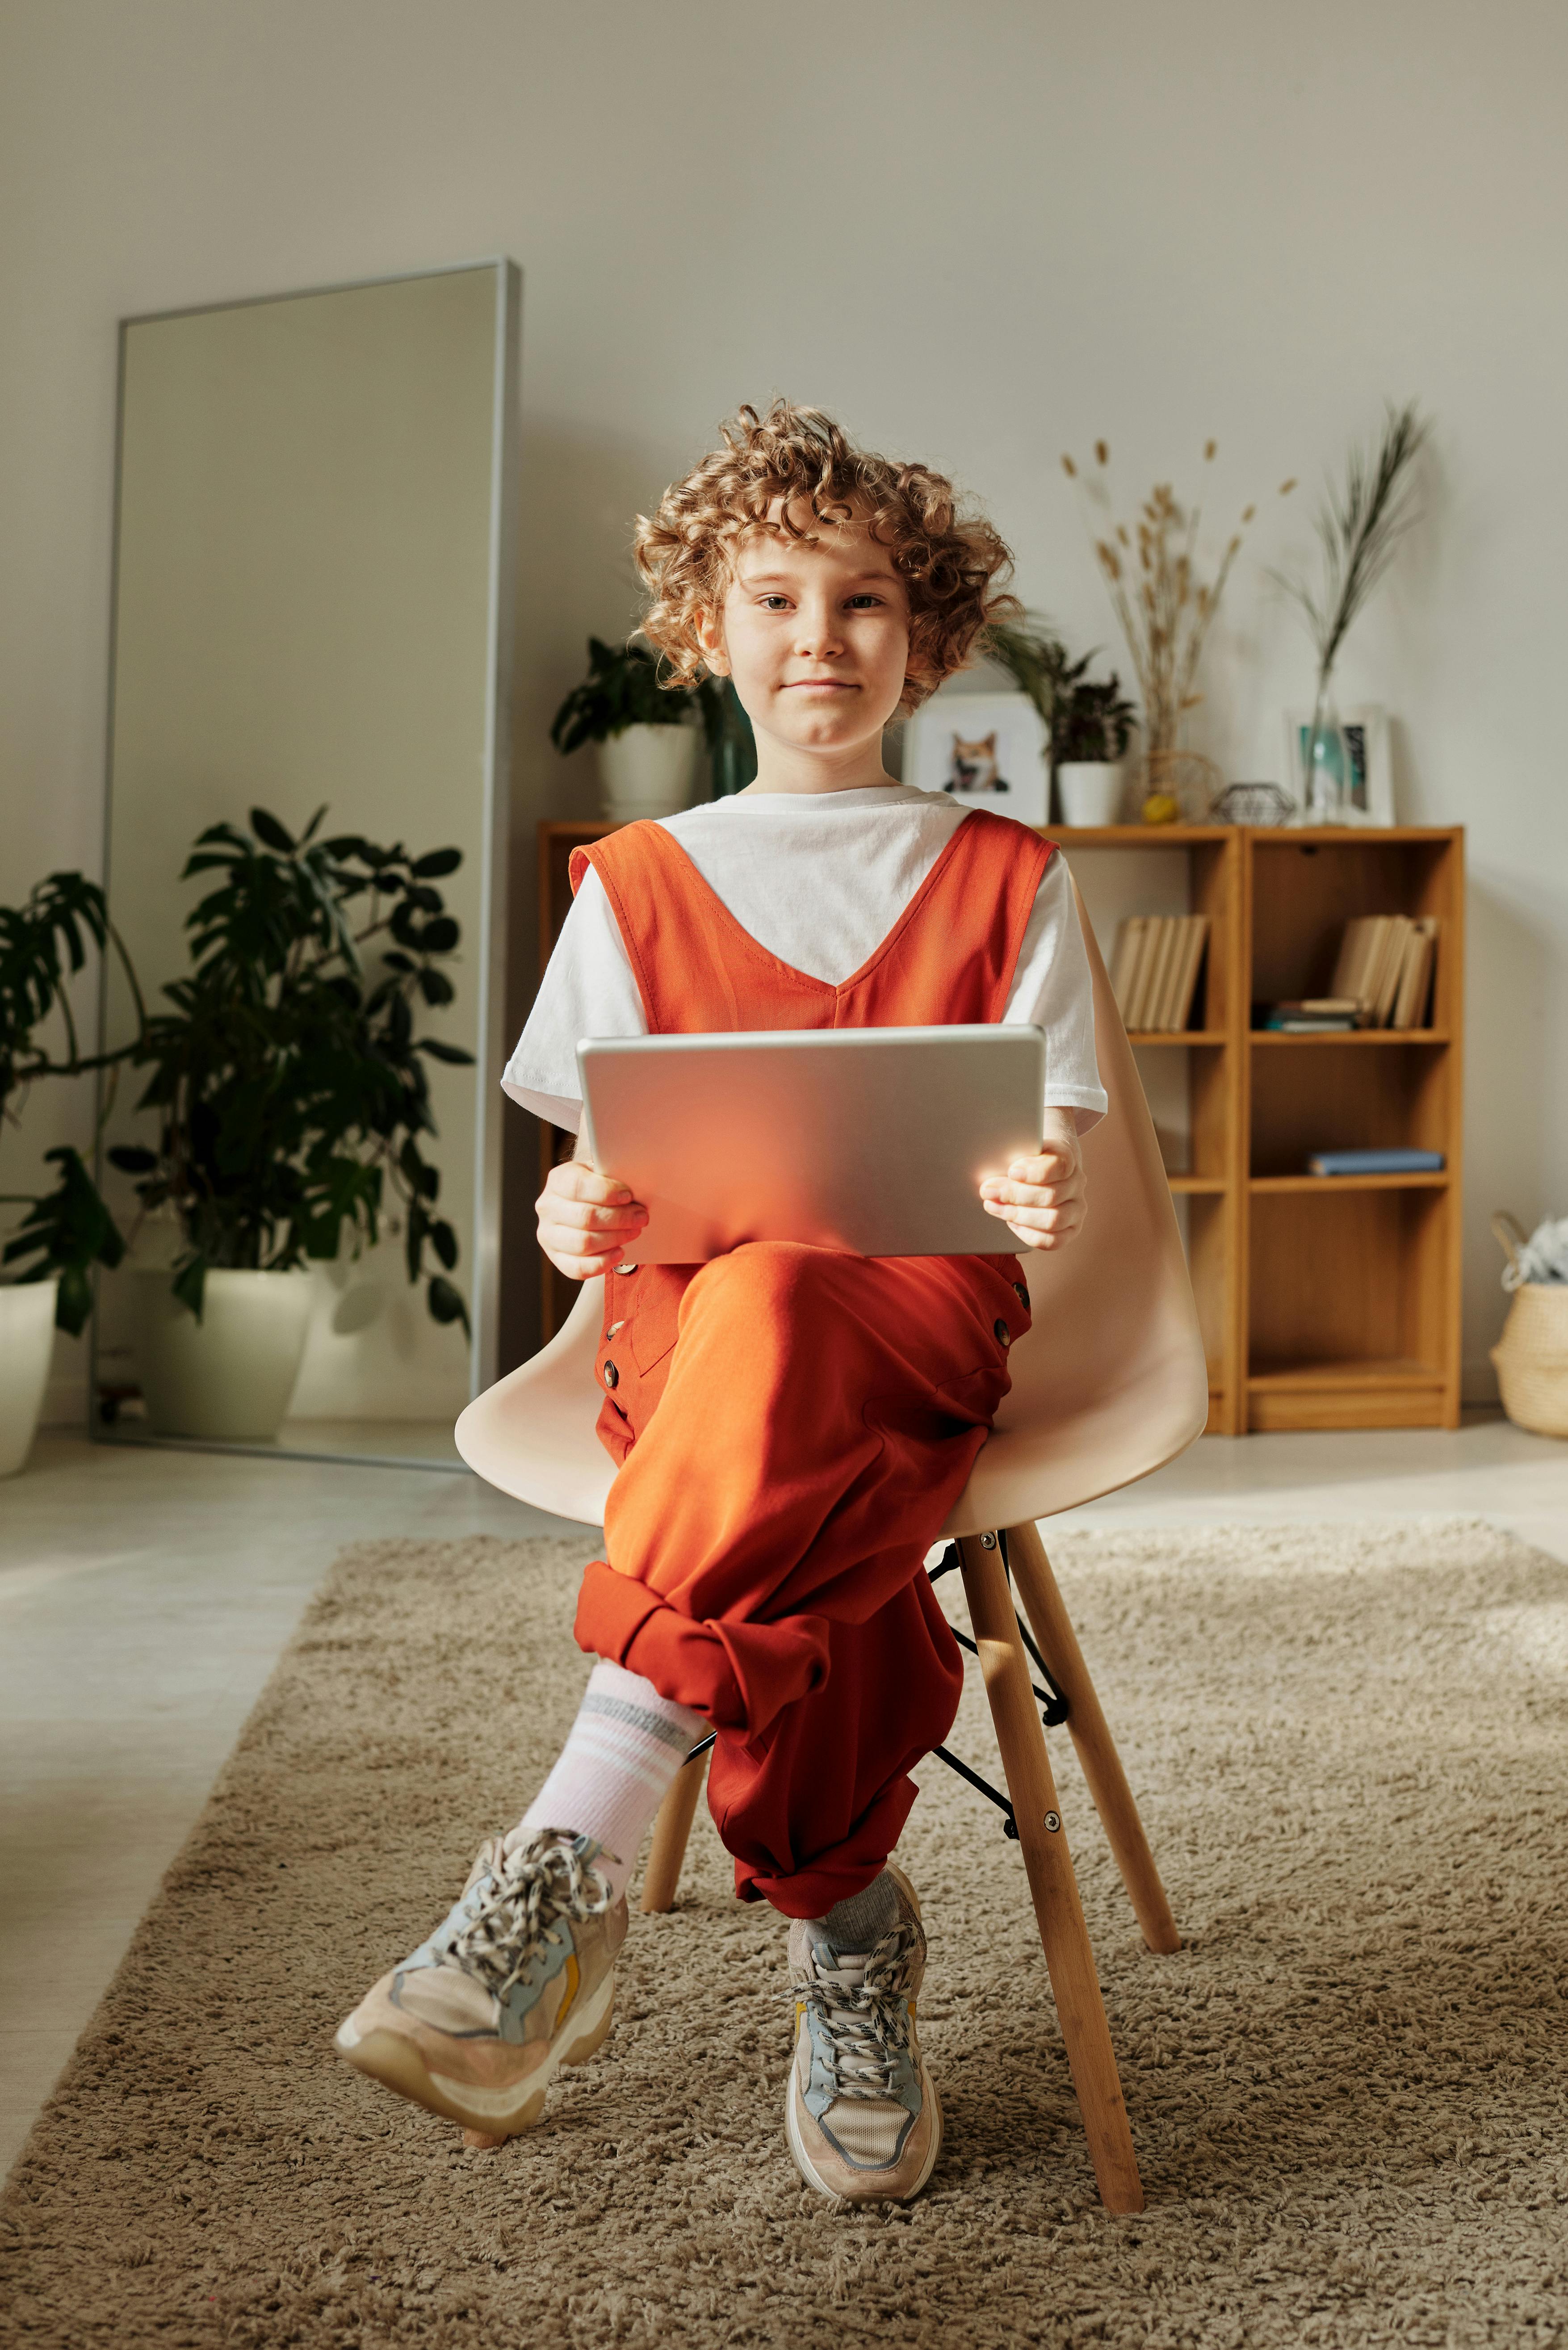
[[1327, 781]]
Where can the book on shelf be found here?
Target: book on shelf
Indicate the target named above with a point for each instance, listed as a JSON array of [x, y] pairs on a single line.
[[1391, 1161], [1310, 1016], [1384, 967], [1154, 970]]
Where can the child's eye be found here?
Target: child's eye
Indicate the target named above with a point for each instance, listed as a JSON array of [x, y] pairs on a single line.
[[866, 602], [774, 603]]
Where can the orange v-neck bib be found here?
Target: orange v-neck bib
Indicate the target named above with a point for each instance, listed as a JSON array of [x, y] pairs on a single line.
[[949, 958]]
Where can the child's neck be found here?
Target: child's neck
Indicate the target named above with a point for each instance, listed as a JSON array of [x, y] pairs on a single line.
[[786, 767]]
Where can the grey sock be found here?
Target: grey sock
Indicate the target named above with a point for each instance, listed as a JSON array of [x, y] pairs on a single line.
[[860, 1922]]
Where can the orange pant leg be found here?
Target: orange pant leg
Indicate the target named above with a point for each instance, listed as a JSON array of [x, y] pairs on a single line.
[[793, 1426]]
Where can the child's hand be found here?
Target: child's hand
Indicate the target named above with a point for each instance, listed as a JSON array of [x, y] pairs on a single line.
[[1043, 1200], [585, 1219]]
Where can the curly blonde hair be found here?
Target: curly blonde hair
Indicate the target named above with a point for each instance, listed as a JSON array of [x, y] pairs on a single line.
[[954, 565]]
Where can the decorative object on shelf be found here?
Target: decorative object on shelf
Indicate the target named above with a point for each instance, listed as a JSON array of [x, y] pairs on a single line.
[[986, 750], [1531, 1358], [1391, 1161], [1360, 525], [1256, 803], [290, 1088], [44, 946], [1164, 612], [646, 731], [1154, 971], [1351, 755], [1088, 721], [1091, 791], [1385, 966]]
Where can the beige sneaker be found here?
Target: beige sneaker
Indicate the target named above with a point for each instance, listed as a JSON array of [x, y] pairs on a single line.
[[517, 1980], [864, 2120]]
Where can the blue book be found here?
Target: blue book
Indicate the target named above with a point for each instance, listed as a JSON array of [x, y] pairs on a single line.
[[1376, 1163]]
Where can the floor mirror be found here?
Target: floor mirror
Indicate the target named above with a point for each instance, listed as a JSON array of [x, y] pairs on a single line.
[[314, 539]]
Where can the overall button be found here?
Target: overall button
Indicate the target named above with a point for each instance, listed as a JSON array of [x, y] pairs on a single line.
[[1022, 1294], [628, 1268], [612, 1377], [1003, 1334]]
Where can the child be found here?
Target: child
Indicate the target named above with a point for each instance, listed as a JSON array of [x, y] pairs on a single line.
[[792, 1425]]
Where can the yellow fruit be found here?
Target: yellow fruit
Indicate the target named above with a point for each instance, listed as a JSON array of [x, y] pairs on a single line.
[[1160, 807]]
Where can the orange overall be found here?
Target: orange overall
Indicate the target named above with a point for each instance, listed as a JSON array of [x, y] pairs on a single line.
[[792, 1424]]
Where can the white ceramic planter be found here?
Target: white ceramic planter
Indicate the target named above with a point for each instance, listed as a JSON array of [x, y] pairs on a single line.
[[229, 1376], [647, 771], [1091, 791], [27, 1347]]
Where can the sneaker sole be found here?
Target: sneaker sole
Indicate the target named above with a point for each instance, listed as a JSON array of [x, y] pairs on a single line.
[[400, 2065], [869, 2194]]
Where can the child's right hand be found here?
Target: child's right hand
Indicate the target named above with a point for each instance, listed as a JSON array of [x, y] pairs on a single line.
[[585, 1219]]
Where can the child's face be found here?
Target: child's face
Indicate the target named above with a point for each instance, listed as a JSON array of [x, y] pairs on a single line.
[[816, 637]]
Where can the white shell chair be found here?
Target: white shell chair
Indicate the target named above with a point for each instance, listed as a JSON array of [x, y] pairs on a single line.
[[1110, 1384]]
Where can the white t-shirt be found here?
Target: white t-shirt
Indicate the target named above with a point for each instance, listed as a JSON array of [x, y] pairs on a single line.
[[818, 880]]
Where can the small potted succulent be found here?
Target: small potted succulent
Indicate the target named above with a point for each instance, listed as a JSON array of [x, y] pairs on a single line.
[[47, 1261], [646, 731], [1089, 737], [293, 1106]]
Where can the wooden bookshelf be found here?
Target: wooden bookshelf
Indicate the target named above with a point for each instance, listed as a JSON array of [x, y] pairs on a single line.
[[1324, 1302]]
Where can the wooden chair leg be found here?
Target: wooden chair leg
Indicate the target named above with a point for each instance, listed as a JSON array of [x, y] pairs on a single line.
[[1058, 1644], [1052, 1887], [661, 1878]]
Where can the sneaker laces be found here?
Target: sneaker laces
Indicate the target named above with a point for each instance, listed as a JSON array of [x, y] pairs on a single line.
[[865, 2016], [543, 1880]]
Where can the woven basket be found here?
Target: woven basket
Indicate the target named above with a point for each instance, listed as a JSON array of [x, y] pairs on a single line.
[[1532, 1357]]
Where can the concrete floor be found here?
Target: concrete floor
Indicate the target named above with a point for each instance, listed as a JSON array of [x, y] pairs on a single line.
[[145, 1596]]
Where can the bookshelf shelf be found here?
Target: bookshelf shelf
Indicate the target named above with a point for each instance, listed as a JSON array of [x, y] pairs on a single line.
[[1142, 1036], [1325, 1301], [1355, 1037], [1281, 1185]]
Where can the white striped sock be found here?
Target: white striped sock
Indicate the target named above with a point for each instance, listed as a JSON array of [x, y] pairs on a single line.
[[625, 1747]]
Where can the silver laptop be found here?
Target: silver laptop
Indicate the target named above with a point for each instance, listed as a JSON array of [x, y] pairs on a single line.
[[868, 1139]]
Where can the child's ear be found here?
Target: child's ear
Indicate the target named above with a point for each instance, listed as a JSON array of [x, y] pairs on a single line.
[[710, 637]]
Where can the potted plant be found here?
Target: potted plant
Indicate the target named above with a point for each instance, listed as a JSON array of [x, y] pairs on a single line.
[[645, 730], [1089, 725], [1089, 738], [292, 1102], [44, 946]]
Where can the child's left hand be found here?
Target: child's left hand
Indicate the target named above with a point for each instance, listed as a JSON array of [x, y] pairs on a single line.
[[1043, 1200]]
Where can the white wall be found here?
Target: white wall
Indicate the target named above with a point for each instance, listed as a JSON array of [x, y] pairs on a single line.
[[981, 234]]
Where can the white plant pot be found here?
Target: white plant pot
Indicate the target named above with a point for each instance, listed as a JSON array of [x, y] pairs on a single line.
[[26, 1349], [229, 1376], [647, 771], [1091, 791]]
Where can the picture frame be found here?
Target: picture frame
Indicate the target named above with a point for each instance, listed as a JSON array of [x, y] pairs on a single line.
[[1366, 726], [982, 750]]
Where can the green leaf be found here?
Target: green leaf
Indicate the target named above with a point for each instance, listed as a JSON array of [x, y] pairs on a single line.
[[443, 1239], [439, 861], [433, 986], [268, 829], [445, 1303], [439, 1050], [132, 1158], [439, 937], [73, 1302]]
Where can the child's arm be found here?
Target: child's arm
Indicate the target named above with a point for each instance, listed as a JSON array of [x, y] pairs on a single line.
[[1043, 1200], [585, 1219]]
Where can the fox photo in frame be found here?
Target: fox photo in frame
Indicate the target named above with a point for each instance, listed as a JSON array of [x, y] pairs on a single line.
[[985, 750]]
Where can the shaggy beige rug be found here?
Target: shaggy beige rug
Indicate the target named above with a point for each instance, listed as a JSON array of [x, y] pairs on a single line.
[[1348, 2091]]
